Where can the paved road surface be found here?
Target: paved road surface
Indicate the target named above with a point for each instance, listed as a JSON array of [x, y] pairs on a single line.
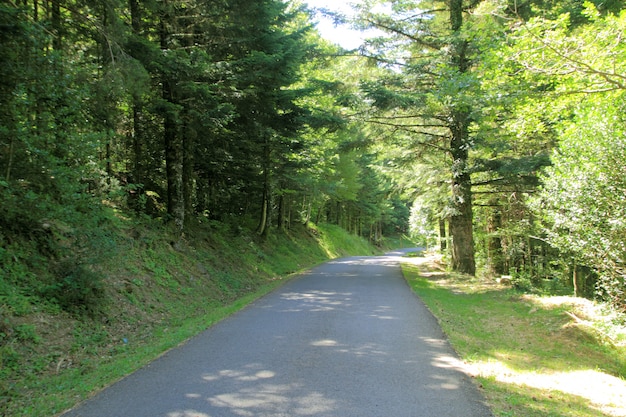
[[347, 338]]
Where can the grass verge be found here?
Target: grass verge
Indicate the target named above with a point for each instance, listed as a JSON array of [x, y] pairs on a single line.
[[531, 355]]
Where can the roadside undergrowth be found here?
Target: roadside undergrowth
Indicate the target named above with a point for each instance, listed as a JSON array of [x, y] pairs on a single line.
[[531, 355]]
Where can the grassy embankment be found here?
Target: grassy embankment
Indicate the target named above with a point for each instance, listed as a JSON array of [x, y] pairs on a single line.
[[532, 355], [154, 294]]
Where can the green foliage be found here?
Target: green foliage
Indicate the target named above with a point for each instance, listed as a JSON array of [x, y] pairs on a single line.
[[581, 196], [76, 289], [562, 74], [26, 333]]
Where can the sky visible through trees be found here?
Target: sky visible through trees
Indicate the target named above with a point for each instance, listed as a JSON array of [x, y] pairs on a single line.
[[340, 34]]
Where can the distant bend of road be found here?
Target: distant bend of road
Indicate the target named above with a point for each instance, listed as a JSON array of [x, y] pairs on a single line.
[[346, 339]]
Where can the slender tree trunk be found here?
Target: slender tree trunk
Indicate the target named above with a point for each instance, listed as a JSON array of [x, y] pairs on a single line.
[[318, 218], [263, 228], [281, 212], [307, 204], [108, 158], [174, 169], [7, 176], [189, 140], [289, 215], [135, 16], [138, 134], [494, 242], [443, 237], [173, 142], [57, 28], [137, 142]]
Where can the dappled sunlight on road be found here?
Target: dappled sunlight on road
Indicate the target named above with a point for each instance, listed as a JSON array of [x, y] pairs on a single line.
[[188, 413], [324, 343], [239, 375], [365, 349], [389, 260], [271, 397], [317, 300], [259, 392], [383, 313]]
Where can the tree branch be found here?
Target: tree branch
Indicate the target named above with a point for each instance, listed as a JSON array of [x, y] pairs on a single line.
[[397, 31]]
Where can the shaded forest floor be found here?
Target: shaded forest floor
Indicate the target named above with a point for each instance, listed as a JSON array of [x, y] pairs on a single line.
[[532, 355], [149, 293]]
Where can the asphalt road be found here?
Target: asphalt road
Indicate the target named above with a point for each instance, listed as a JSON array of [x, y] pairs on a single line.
[[348, 338]]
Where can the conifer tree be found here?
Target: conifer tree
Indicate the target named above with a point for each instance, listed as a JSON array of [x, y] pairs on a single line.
[[430, 93]]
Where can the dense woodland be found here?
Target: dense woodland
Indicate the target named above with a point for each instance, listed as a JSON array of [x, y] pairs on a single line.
[[496, 127]]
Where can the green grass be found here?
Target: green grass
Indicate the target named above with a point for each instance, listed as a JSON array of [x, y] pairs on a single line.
[[532, 356], [159, 292], [336, 242]]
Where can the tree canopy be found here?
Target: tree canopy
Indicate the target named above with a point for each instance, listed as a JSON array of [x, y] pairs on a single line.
[[500, 122]]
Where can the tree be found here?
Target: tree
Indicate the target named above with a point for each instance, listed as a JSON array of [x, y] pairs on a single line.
[[582, 194], [580, 201], [431, 95]]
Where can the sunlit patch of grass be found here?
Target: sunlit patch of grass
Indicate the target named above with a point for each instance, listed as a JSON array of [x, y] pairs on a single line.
[[335, 241], [533, 356]]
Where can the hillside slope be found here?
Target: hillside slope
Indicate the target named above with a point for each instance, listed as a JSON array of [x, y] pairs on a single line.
[[147, 292]]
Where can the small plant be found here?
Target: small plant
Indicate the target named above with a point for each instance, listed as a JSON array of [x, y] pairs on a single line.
[[523, 281], [27, 333], [77, 289]]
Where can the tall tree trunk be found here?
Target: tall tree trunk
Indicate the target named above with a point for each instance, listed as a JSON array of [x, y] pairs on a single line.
[[57, 28], [173, 140], [281, 212], [461, 220], [263, 228], [318, 218], [494, 242], [174, 168], [135, 16], [188, 179], [138, 134], [309, 207], [443, 237], [461, 227]]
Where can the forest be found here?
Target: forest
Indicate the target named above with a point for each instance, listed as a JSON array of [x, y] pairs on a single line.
[[493, 131]]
